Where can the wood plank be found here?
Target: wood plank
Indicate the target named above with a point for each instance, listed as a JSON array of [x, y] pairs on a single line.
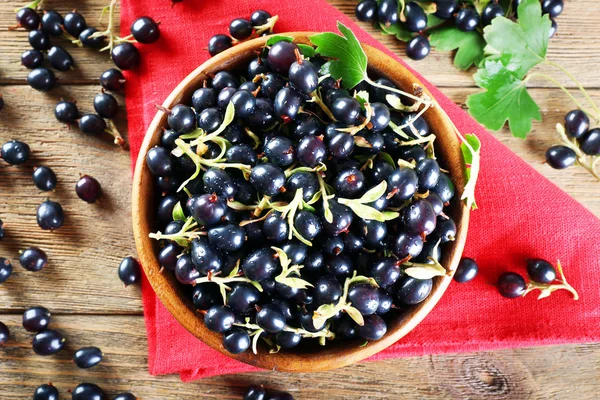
[[575, 46], [85, 252], [541, 373]]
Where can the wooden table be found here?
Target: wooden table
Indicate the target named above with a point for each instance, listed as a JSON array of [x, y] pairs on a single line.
[[89, 304]]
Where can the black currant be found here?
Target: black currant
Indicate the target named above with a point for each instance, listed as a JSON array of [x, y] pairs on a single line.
[[218, 44], [366, 11], [60, 59], [112, 79], [32, 59], [511, 285], [66, 111], [46, 392], [560, 157], [41, 79], [236, 341], [88, 189], [48, 342], [87, 391], [240, 29], [106, 105], [130, 271], [87, 357], [540, 271], [418, 48], [466, 271], [145, 30], [125, 56]]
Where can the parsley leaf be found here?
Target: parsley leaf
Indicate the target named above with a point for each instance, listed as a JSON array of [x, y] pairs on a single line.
[[505, 98], [470, 45], [523, 45], [350, 62]]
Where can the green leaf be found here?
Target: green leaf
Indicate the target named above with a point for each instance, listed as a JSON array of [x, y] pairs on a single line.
[[279, 38], [470, 149], [505, 98], [433, 21], [398, 30], [350, 60], [469, 45], [523, 45], [178, 214], [306, 50], [296, 283], [479, 5], [366, 212], [283, 258]]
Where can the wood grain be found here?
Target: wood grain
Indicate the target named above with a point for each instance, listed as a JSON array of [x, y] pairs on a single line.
[[543, 373], [88, 301]]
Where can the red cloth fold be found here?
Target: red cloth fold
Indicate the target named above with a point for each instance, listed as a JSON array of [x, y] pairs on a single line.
[[521, 214]]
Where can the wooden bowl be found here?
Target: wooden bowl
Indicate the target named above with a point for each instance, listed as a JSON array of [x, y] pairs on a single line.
[[337, 353]]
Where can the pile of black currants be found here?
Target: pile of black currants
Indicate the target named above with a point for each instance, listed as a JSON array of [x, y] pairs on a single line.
[[261, 23], [413, 16], [292, 209], [73, 28], [580, 144]]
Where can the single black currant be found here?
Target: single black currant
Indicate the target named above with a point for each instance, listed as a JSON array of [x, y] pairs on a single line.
[[44, 178], [66, 111], [106, 105], [467, 19], [130, 271], [145, 30], [240, 29], [590, 142], [236, 341], [219, 319], [466, 271], [87, 357], [28, 18], [60, 59], [540, 271], [112, 79], [366, 10], [74, 23], [36, 319], [418, 48], [39, 40], [48, 342], [511, 285], [88, 189], [41, 79], [87, 391], [46, 392], [92, 124], [32, 59], [125, 56]]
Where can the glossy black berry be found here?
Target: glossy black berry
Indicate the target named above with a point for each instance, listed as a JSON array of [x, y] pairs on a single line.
[[88, 189], [374, 328], [145, 30], [41, 79], [327, 290], [444, 188], [33, 259], [87, 357], [307, 224], [366, 10], [130, 271], [74, 23], [39, 40], [185, 270], [347, 110], [208, 209], [87, 391], [66, 112], [466, 271], [4, 334], [128, 395], [407, 245], [467, 19], [60, 59], [560, 157], [46, 392], [219, 319], [590, 142], [281, 56], [86, 39], [15, 152], [287, 104], [491, 11], [5, 269], [511, 285], [112, 79], [304, 76], [50, 215], [44, 178], [106, 105], [260, 264], [364, 297], [270, 318], [28, 18], [255, 392], [445, 9], [48, 342], [552, 7], [540, 271], [416, 19], [125, 56], [240, 29], [36, 319], [158, 160], [402, 183], [259, 17], [92, 124], [387, 12], [32, 59], [412, 291], [236, 341], [218, 44], [268, 179], [311, 151]]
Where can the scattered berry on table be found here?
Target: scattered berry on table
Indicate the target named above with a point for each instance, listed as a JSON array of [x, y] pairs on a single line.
[[5, 269], [87, 391], [36, 319], [44, 178], [112, 79], [33, 259], [126, 56], [560, 157], [4, 334], [88, 189], [130, 271], [48, 342], [50, 215], [145, 30], [15, 152], [41, 79], [540, 271], [60, 59], [87, 357], [32, 59], [66, 112], [46, 392]]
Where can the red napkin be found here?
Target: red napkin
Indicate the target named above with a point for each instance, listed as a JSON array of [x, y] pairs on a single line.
[[521, 214]]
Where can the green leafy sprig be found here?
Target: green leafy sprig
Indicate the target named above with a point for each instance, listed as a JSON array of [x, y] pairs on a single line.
[[361, 208], [188, 232], [286, 277], [234, 276]]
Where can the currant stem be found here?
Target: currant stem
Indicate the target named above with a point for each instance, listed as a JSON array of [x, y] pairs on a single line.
[[561, 87], [316, 98], [112, 130], [398, 91], [579, 86]]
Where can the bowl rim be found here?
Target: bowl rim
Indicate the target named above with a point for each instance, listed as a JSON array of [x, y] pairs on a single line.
[[190, 319]]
